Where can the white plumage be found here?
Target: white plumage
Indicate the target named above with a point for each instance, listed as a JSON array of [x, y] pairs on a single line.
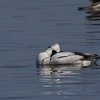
[[53, 56]]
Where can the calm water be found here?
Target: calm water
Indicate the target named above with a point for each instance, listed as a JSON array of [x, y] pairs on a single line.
[[27, 27]]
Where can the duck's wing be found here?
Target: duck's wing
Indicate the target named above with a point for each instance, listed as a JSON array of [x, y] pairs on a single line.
[[65, 58], [87, 55], [62, 53]]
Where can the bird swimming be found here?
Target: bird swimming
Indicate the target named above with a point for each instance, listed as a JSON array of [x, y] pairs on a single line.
[[54, 56], [95, 6]]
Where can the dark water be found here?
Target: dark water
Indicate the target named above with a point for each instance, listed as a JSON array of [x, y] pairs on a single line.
[[27, 27]]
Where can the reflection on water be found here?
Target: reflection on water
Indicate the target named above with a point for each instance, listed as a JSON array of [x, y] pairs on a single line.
[[56, 70], [62, 69], [65, 80], [55, 76], [93, 16]]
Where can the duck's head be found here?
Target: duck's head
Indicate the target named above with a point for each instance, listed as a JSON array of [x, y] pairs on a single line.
[[56, 47], [51, 50]]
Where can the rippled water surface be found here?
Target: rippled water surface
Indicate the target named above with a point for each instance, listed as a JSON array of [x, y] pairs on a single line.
[[27, 27]]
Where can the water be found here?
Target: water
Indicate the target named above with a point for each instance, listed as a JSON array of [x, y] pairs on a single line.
[[27, 27]]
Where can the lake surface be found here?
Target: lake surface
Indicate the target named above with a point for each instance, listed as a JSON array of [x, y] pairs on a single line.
[[28, 27]]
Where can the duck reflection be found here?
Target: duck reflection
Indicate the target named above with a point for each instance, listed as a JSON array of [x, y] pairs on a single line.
[[61, 69], [61, 80], [94, 16], [57, 79], [54, 70]]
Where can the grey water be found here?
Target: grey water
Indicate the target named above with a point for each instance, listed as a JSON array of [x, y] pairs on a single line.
[[28, 27]]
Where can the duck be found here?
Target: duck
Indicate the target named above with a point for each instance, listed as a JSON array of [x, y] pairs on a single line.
[[54, 56], [95, 6]]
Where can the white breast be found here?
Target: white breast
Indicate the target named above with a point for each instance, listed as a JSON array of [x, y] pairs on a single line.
[[41, 57]]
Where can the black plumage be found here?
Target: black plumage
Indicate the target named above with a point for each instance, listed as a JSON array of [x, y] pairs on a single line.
[[87, 55]]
